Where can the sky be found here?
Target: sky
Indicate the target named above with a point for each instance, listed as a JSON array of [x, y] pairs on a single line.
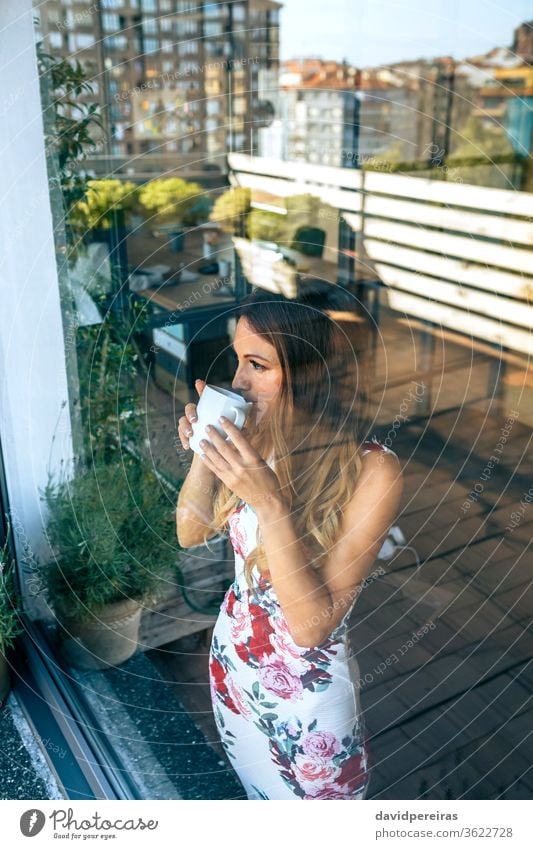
[[375, 32]]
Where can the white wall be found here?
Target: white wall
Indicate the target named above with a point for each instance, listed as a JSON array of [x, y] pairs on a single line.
[[33, 386]]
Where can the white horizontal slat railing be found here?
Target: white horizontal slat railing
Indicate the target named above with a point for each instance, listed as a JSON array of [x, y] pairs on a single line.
[[448, 254], [471, 271]]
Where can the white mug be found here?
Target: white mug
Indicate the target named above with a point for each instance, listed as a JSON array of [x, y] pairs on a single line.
[[214, 402]]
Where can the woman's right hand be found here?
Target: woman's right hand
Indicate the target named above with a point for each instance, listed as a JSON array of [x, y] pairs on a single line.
[[184, 423]]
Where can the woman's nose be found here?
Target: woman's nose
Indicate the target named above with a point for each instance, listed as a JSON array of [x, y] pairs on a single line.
[[238, 382]]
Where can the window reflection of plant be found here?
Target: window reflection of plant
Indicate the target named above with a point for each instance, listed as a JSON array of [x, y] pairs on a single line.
[[69, 125], [10, 602], [104, 363], [109, 368]]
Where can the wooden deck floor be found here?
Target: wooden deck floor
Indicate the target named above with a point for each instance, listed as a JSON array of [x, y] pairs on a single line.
[[444, 639]]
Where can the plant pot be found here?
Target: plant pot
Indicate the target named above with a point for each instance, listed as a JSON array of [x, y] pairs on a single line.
[[5, 679], [108, 639], [177, 240]]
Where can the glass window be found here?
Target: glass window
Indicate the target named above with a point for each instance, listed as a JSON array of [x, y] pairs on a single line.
[[110, 23], [213, 28], [188, 47], [213, 10], [151, 45], [55, 39], [141, 258], [149, 25]]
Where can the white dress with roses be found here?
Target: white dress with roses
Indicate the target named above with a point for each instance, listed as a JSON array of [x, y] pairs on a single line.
[[289, 717]]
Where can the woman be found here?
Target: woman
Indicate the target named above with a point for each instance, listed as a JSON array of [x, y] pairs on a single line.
[[306, 525]]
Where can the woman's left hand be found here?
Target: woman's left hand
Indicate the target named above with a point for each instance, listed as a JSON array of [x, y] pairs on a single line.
[[239, 466]]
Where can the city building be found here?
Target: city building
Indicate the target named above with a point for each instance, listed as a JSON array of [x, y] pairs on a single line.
[[176, 79]]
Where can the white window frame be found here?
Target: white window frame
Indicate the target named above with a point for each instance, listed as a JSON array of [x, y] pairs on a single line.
[[35, 424]]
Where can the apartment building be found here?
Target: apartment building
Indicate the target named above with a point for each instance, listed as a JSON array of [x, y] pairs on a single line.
[[176, 79]]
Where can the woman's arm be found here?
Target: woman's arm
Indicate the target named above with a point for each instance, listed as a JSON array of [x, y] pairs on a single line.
[[194, 509], [315, 601]]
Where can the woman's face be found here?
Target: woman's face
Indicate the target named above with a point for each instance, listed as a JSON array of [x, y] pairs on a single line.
[[259, 374]]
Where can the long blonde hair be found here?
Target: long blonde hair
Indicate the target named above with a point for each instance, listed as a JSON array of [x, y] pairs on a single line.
[[313, 431]]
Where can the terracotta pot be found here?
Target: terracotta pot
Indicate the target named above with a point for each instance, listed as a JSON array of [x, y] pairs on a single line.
[[108, 639], [5, 679]]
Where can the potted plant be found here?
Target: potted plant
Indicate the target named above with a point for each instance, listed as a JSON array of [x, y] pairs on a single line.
[[173, 204], [94, 214], [110, 528], [231, 209], [10, 628]]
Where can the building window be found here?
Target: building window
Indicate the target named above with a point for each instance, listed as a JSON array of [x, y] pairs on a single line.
[[79, 41], [213, 28], [189, 47], [110, 23], [186, 26], [151, 45], [55, 39], [149, 25]]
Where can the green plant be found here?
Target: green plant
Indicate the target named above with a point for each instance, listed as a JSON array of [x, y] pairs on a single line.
[[69, 124], [170, 200], [197, 213], [10, 603], [111, 529], [109, 363], [266, 226], [231, 208], [101, 198]]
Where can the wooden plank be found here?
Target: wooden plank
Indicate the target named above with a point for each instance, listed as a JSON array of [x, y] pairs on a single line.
[[448, 335], [476, 326], [506, 283], [303, 172], [493, 226], [339, 198], [159, 627], [463, 247], [456, 194], [512, 311]]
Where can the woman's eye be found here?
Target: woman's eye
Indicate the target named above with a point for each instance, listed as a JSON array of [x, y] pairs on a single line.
[[259, 366]]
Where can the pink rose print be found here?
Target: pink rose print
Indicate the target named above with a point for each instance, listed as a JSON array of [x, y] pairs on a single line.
[[322, 744], [238, 697], [238, 534], [279, 678], [240, 624], [312, 773], [283, 641]]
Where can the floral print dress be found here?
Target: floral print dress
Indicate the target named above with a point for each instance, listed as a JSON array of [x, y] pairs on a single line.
[[288, 716]]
